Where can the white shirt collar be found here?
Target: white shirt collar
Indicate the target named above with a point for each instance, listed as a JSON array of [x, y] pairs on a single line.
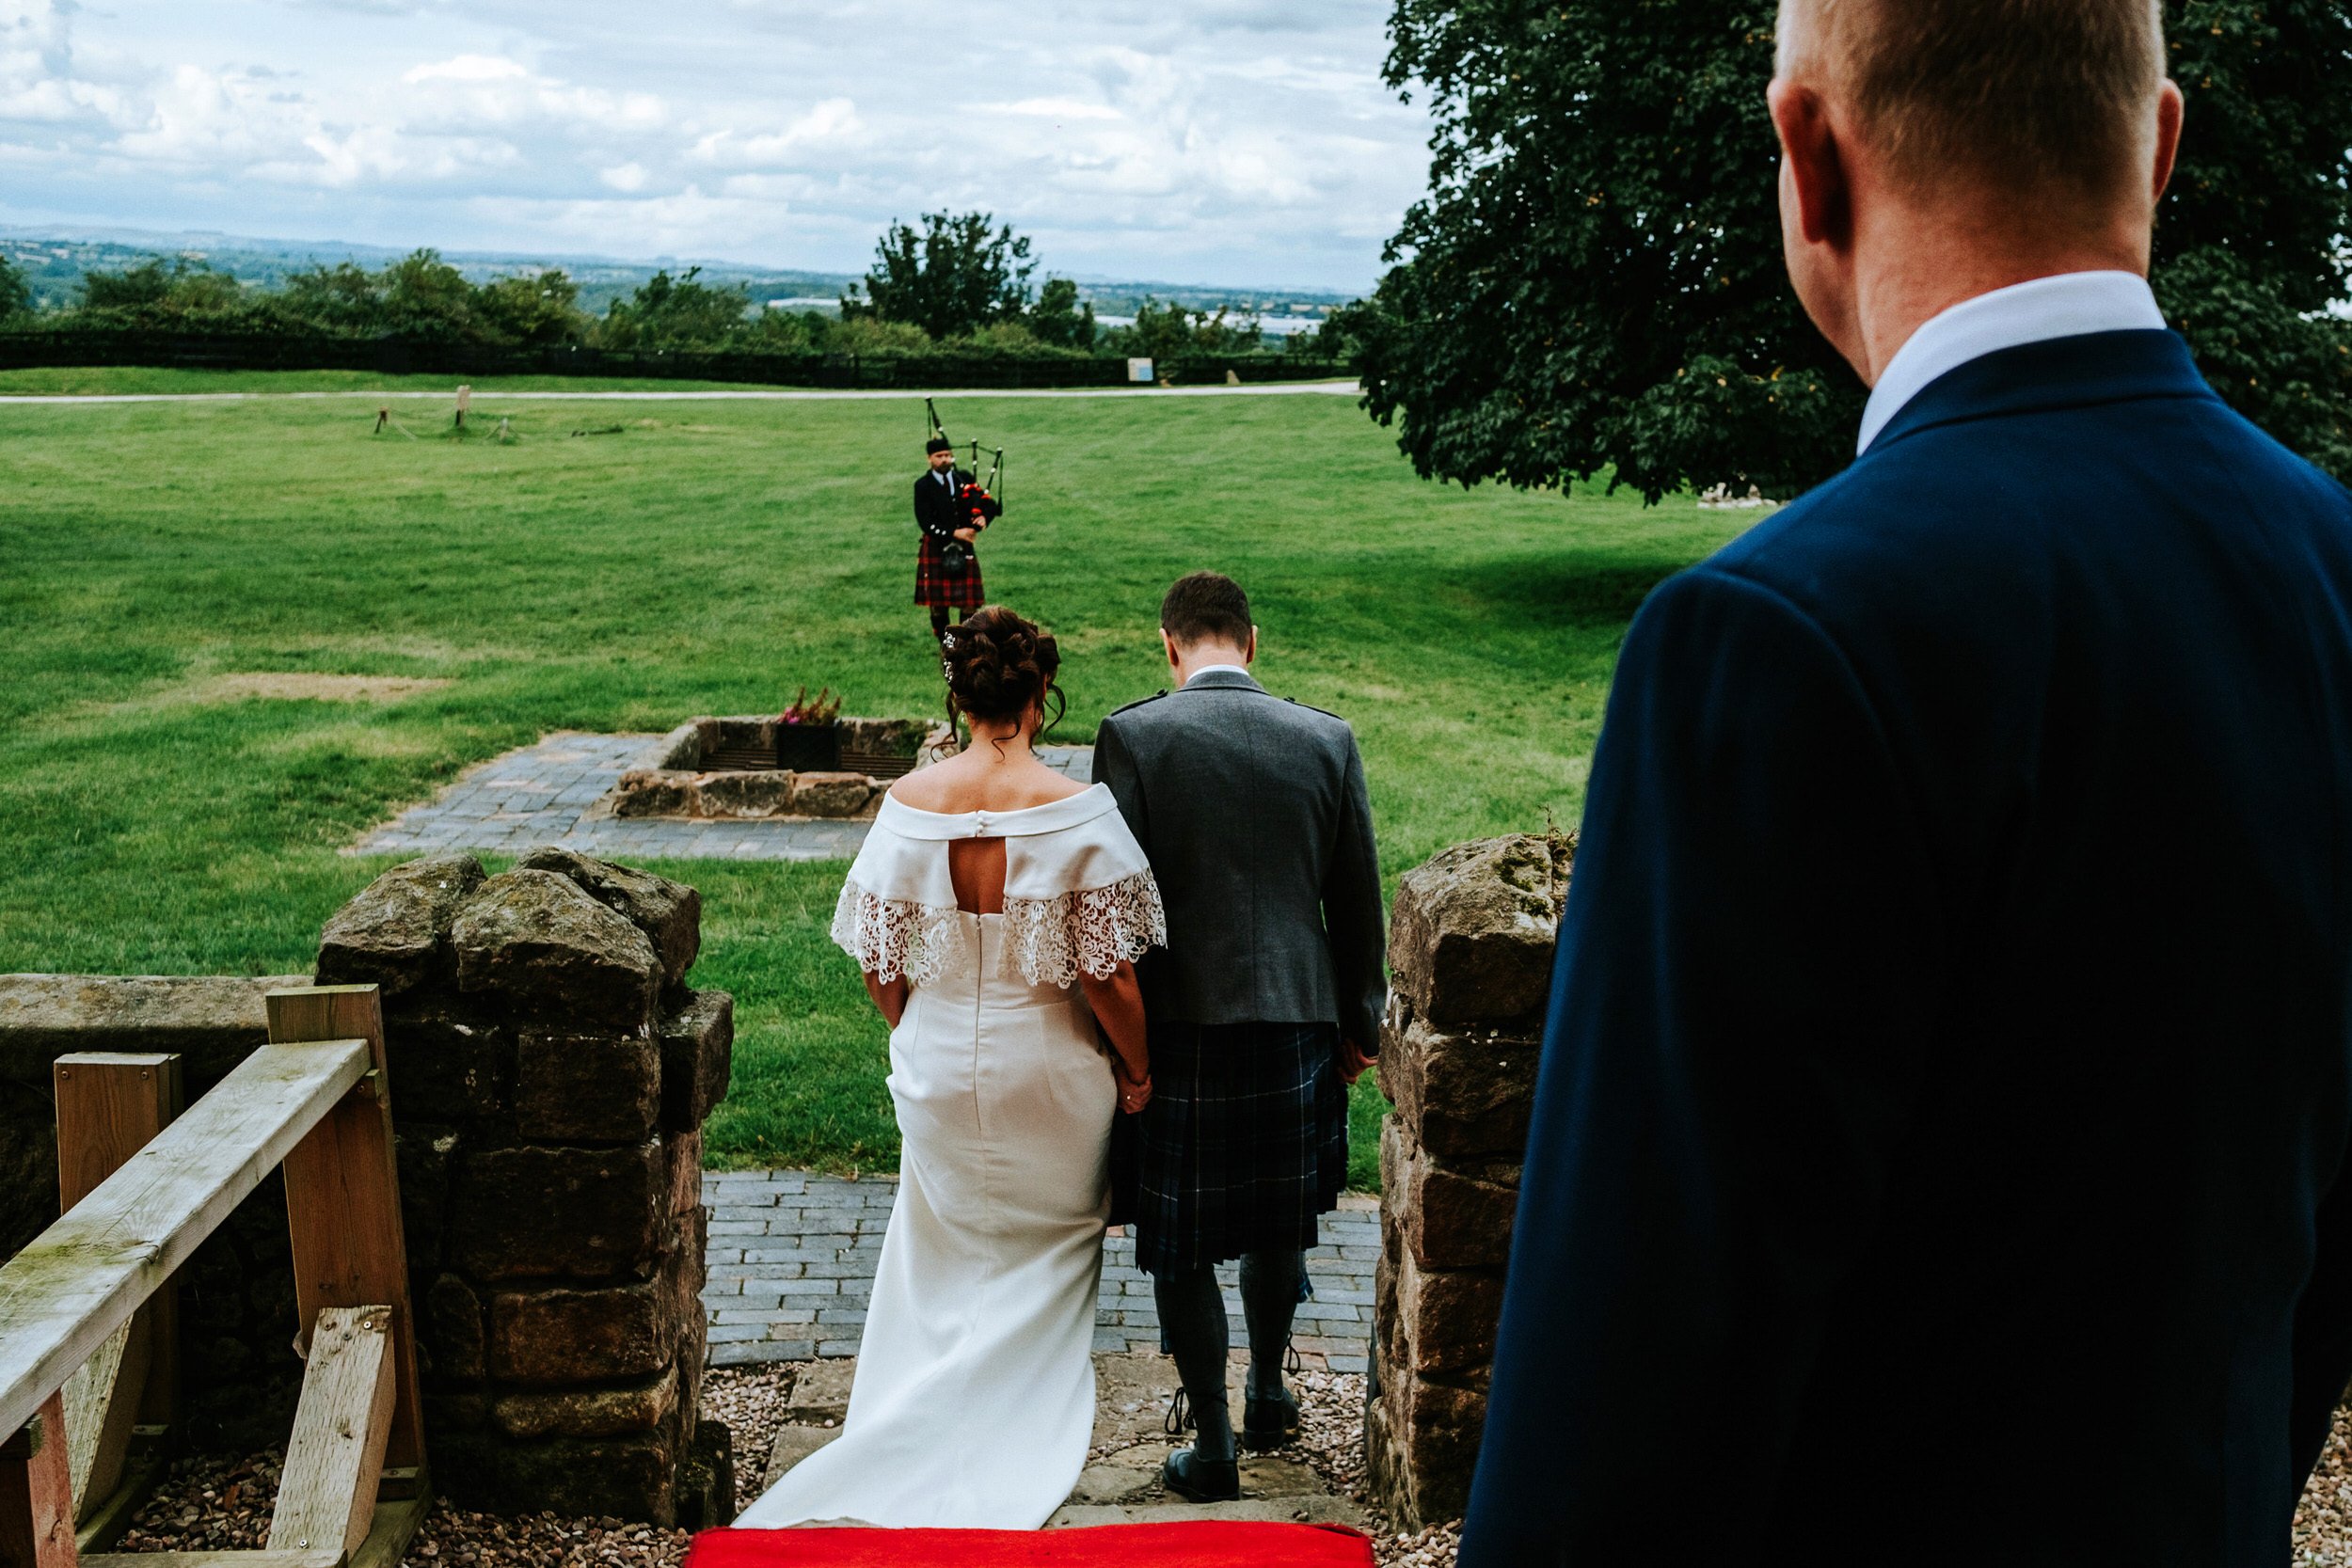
[[1214, 669], [2064, 305]]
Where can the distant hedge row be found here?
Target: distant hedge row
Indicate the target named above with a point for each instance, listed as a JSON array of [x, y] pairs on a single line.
[[22, 349]]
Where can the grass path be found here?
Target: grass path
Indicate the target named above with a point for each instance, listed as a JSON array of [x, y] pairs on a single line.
[[705, 557]]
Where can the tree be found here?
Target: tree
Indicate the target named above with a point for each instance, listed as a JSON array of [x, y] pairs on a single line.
[[16, 292], [954, 276], [1060, 319], [666, 312], [2252, 245], [179, 287], [424, 297], [1172, 332], [343, 299], [531, 307], [1594, 281]]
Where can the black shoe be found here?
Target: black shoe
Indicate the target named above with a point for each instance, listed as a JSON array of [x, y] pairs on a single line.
[[1201, 1480], [1269, 1420]]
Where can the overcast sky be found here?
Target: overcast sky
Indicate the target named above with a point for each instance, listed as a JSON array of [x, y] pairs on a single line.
[[1222, 141]]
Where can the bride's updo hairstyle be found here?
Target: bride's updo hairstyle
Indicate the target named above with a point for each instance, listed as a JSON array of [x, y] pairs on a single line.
[[997, 664]]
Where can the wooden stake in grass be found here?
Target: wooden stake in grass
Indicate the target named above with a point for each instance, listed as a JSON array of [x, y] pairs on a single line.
[[383, 417], [465, 401]]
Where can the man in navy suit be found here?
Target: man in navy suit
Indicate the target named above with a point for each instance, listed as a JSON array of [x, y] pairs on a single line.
[[1938, 1152]]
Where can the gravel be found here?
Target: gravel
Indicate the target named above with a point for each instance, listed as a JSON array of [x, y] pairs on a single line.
[[214, 1503], [2323, 1523], [751, 1401], [223, 1504]]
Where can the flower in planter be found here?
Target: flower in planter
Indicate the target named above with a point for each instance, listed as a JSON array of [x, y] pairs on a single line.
[[824, 710]]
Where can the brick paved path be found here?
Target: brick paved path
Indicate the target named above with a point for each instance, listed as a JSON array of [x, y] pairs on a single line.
[[792, 1260], [541, 794]]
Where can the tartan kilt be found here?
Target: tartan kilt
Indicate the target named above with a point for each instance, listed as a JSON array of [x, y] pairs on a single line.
[[933, 586], [1244, 1146]]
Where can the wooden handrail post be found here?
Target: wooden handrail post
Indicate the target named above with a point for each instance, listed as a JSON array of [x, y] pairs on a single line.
[[109, 1106], [36, 1495], [342, 1199]]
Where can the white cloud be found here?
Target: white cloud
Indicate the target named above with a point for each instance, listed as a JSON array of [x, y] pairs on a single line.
[[1055, 108], [833, 123], [1242, 140], [467, 68]]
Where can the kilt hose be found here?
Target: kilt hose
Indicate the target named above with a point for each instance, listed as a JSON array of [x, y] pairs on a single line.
[[1244, 1146], [933, 586]]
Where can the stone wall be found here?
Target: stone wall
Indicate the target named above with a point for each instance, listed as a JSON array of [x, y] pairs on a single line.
[[1470, 953], [550, 1074]]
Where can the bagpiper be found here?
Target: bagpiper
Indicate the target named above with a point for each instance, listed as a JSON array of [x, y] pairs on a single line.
[[950, 509]]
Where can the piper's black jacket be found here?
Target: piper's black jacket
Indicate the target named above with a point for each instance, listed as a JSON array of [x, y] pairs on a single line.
[[935, 509]]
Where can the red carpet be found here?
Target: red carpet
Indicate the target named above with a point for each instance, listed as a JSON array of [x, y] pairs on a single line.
[[1207, 1544]]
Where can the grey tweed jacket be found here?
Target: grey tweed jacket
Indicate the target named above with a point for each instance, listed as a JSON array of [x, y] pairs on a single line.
[[1253, 812]]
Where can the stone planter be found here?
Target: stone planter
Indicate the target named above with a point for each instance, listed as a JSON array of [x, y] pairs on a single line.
[[808, 748], [742, 768]]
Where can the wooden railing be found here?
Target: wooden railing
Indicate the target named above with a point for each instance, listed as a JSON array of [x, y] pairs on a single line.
[[86, 1311]]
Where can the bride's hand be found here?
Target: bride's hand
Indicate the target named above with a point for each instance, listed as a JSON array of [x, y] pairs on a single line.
[[1131, 1097]]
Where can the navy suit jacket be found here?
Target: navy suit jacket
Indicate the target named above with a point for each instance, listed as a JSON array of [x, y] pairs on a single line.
[[1939, 1149]]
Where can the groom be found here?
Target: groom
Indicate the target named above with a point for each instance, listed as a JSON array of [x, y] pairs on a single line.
[[1264, 1007]]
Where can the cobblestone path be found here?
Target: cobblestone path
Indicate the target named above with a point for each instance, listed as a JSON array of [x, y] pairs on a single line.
[[792, 1257], [540, 795]]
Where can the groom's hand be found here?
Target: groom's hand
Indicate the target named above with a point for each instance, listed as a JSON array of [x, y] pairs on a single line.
[[1353, 1061]]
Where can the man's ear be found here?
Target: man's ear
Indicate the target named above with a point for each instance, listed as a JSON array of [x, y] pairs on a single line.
[[1167, 646], [1249, 655], [1812, 162], [2169, 112]]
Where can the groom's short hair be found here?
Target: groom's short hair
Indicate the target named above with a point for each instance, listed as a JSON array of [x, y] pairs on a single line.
[[2016, 95], [1204, 606]]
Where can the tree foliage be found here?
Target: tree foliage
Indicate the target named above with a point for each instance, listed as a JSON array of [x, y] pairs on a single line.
[[421, 296], [954, 275], [2255, 239], [1060, 319], [179, 287], [1594, 281], [675, 313], [1172, 332]]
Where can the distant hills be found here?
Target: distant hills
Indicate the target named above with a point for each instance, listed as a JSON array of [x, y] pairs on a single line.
[[55, 258]]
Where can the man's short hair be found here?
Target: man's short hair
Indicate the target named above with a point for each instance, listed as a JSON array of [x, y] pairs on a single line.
[[1206, 607], [2018, 94], [938, 444]]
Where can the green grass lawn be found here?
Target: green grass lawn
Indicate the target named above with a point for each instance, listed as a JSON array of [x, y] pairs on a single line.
[[710, 558]]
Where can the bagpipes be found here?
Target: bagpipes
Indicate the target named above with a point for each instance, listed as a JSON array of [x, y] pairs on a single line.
[[982, 500]]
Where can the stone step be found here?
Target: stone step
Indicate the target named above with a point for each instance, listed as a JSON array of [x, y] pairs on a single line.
[[1318, 1508], [1131, 1393]]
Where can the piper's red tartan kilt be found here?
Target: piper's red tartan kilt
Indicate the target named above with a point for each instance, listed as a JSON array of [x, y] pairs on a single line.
[[933, 586]]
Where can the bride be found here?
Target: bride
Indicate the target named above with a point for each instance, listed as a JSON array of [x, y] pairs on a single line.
[[996, 909]]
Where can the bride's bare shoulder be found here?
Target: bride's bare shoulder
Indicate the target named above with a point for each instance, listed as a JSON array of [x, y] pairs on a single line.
[[926, 789], [951, 791]]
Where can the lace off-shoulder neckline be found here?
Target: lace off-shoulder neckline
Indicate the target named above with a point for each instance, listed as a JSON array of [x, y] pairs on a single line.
[[1052, 816]]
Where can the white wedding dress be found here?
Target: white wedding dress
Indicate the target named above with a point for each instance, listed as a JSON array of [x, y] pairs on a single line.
[[974, 1399]]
